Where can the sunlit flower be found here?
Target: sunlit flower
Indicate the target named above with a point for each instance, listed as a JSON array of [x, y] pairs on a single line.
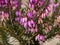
[[4, 16], [33, 1], [31, 23], [46, 12], [29, 14], [18, 13], [23, 20], [3, 3], [39, 37], [14, 4]]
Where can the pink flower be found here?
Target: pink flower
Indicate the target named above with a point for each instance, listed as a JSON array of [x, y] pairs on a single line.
[[39, 37], [29, 14], [31, 23], [32, 30], [34, 12], [4, 16], [14, 4], [18, 13], [25, 25], [41, 3], [17, 19], [48, 8], [33, 1], [45, 12], [3, 3], [29, 5], [23, 20], [55, 5]]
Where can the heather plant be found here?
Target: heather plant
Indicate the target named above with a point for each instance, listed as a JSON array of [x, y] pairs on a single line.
[[32, 23]]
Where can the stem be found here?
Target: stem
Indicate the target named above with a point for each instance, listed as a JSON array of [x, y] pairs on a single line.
[[4, 37], [33, 36]]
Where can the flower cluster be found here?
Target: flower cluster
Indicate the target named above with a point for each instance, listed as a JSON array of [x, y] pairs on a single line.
[[29, 25], [3, 3], [46, 12], [27, 20], [34, 19], [14, 4], [9, 4], [34, 3], [31, 14], [4, 16]]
